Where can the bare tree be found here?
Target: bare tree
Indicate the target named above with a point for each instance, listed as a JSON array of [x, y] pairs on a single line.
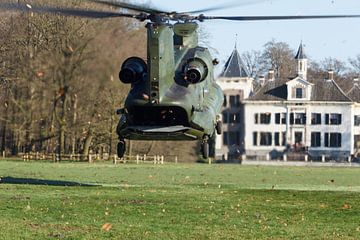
[[280, 57], [355, 63], [254, 62], [334, 64]]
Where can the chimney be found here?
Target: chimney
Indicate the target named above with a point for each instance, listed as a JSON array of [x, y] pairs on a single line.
[[330, 74], [356, 82], [271, 75], [261, 80]]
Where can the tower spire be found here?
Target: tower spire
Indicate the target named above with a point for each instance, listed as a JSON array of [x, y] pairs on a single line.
[[302, 62], [236, 37]]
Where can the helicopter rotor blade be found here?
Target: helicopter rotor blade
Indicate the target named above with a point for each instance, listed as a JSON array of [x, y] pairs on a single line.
[[265, 18], [225, 6], [138, 8], [63, 11]]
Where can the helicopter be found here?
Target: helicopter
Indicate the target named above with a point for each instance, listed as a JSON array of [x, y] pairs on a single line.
[[173, 93]]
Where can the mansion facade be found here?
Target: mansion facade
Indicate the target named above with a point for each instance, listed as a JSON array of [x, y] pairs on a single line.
[[312, 116]]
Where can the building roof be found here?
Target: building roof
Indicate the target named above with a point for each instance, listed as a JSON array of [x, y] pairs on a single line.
[[301, 52], [234, 66], [322, 90], [354, 93]]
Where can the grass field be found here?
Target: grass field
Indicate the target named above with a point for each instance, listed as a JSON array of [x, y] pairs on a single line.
[[178, 201]]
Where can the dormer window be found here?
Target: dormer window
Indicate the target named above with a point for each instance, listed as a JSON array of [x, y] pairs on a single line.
[[299, 93], [299, 89]]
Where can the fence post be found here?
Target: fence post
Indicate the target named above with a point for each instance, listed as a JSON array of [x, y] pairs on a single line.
[[90, 158], [176, 159], [137, 158], [144, 157], [115, 159], [285, 158], [323, 158], [267, 157], [162, 159], [3, 154], [349, 159], [306, 158], [37, 156], [155, 159]]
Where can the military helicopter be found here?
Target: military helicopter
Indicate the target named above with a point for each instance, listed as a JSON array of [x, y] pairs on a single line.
[[173, 93]]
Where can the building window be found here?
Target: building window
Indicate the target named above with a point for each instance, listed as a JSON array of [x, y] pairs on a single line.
[[234, 138], [265, 139], [315, 118], [235, 101], [332, 140], [299, 93], [234, 118], [280, 118], [315, 139], [298, 118], [283, 142], [225, 138], [256, 117], [265, 118], [283, 118], [357, 120], [225, 116], [333, 119], [255, 138], [225, 101], [277, 118], [277, 138]]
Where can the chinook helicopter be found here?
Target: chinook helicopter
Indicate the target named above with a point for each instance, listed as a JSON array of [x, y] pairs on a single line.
[[173, 93]]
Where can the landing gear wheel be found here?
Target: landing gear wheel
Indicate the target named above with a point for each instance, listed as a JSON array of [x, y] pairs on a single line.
[[205, 148], [121, 148], [218, 127]]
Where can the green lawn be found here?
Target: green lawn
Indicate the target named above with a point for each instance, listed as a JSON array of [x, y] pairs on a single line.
[[183, 201]]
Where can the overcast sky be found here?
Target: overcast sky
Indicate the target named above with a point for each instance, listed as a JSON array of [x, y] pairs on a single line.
[[338, 38]]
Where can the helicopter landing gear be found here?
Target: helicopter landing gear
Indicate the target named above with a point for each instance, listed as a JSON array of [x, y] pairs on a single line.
[[218, 127], [121, 148], [205, 147]]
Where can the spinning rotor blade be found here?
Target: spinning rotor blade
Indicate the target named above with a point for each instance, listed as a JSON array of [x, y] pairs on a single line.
[[264, 18], [226, 6], [63, 11], [129, 6]]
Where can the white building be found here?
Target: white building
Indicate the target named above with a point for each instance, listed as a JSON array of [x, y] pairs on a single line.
[[237, 86], [302, 115]]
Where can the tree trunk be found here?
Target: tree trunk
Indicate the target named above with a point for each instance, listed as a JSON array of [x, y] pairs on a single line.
[[87, 144]]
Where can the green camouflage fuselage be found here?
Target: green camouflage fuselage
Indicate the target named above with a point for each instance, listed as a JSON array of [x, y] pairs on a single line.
[[166, 105]]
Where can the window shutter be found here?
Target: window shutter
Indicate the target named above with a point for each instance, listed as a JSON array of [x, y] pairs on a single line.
[[339, 119], [318, 118], [327, 119], [291, 118], [225, 101], [339, 139], [326, 139], [313, 139], [277, 118]]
